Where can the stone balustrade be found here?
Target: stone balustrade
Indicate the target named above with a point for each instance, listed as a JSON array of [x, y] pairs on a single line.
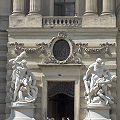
[[64, 21], [90, 19]]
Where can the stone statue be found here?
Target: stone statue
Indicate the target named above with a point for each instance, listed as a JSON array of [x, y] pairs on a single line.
[[24, 83], [97, 81]]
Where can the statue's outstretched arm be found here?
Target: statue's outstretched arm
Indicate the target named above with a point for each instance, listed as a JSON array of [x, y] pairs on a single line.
[[17, 58], [89, 72], [20, 56]]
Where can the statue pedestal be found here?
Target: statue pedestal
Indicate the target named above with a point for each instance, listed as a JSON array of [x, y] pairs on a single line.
[[97, 111], [22, 111]]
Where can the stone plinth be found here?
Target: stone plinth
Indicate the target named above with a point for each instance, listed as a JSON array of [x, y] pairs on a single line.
[[94, 21], [22, 111], [97, 111], [29, 21]]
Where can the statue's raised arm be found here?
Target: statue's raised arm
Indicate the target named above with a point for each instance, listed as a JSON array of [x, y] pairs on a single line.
[[13, 61]]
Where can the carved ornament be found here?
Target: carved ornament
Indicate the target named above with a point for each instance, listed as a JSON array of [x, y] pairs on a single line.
[[76, 51], [101, 49]]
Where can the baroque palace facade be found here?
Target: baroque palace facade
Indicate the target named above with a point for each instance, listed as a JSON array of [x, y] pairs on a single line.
[[61, 39]]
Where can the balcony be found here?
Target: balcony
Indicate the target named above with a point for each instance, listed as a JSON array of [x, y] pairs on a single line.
[[85, 21], [37, 21], [61, 21]]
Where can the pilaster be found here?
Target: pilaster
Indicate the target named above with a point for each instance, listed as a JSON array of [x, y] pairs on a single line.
[[77, 100], [35, 6], [90, 7], [108, 7], [18, 7]]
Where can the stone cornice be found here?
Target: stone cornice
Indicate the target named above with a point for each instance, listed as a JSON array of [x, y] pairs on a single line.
[[82, 30]]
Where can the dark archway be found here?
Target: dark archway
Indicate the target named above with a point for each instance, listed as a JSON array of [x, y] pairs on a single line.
[[61, 105]]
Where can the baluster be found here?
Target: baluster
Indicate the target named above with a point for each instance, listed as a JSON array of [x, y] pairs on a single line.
[[64, 22], [55, 21], [60, 23], [72, 22], [68, 22], [51, 21], [47, 21]]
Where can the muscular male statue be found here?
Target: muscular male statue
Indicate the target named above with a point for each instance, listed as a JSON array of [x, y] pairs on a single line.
[[96, 81]]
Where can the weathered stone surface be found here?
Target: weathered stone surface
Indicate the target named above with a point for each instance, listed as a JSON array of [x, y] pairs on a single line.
[[102, 21], [29, 21]]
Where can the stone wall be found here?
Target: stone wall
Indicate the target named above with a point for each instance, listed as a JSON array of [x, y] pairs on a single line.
[[118, 75], [3, 70], [92, 37]]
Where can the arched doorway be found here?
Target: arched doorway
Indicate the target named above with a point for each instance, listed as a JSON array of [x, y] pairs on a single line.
[[61, 105]]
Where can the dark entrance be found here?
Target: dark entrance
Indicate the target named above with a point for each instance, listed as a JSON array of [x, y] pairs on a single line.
[[60, 100], [61, 105]]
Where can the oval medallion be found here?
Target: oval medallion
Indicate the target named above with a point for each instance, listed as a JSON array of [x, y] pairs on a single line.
[[61, 50]]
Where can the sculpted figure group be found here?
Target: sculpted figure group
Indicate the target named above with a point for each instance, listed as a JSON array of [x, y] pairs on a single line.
[[24, 87], [97, 81]]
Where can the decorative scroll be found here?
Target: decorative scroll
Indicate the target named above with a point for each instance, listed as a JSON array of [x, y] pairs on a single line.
[[55, 88], [19, 47], [103, 48], [73, 51]]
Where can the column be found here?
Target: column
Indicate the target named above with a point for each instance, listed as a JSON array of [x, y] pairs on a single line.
[[51, 7], [44, 100], [18, 7], [35, 6], [91, 7], [108, 7], [77, 7], [77, 100]]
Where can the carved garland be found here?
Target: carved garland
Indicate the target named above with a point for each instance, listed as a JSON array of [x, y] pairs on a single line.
[[76, 50], [104, 48]]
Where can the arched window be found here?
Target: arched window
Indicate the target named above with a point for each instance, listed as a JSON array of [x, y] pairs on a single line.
[[64, 7]]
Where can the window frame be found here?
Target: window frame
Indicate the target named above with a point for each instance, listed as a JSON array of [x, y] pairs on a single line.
[[64, 4]]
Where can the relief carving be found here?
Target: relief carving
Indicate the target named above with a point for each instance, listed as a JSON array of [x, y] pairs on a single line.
[[101, 49], [73, 51]]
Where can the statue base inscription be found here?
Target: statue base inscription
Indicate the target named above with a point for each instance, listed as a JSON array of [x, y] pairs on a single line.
[[22, 111], [97, 111]]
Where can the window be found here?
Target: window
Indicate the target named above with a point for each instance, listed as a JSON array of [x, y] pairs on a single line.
[[64, 7]]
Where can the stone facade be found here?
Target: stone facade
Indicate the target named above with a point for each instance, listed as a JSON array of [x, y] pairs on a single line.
[[93, 33]]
